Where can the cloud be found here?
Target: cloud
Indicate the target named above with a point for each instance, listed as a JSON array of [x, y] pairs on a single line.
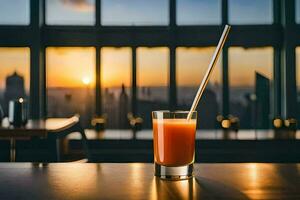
[[79, 5]]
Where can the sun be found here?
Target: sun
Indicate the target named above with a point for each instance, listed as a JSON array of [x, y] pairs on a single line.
[[86, 80]]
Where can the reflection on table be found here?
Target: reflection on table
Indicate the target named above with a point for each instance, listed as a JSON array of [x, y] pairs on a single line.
[[136, 181]]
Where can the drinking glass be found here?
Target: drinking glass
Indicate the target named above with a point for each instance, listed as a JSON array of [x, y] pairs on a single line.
[[174, 144]]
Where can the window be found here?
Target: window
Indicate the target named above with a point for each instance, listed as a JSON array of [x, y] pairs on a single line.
[[250, 11], [71, 82], [297, 6], [15, 74], [191, 65], [70, 12], [15, 12], [198, 12], [116, 85], [152, 81], [134, 12], [251, 79], [298, 79]]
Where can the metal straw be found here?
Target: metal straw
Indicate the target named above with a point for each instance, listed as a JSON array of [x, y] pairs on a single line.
[[212, 64]]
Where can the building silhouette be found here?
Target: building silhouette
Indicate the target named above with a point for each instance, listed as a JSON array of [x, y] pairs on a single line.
[[123, 109], [248, 117], [14, 89], [207, 109], [262, 90], [110, 109]]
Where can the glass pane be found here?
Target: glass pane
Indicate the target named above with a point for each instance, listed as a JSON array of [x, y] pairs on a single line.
[[297, 17], [250, 11], [116, 81], [191, 65], [251, 79], [15, 12], [70, 12], [152, 81], [135, 12], [195, 12], [298, 79], [70, 82], [15, 75]]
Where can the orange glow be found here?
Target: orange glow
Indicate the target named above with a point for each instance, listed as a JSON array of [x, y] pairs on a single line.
[[244, 62], [14, 59], [185, 189], [115, 66], [298, 66], [66, 66], [192, 64], [74, 180], [174, 141], [152, 66], [86, 80]]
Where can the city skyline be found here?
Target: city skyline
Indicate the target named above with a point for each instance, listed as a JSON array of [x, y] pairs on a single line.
[[65, 102], [67, 66], [14, 59]]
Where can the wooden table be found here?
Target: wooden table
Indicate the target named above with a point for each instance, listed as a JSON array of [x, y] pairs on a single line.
[[34, 128], [136, 181]]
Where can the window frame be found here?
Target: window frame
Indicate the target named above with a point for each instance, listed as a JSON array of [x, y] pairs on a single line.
[[282, 35]]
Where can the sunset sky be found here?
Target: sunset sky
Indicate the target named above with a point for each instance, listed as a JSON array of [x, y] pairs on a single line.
[[14, 59], [191, 64], [115, 66], [152, 66], [67, 66], [298, 64], [244, 62]]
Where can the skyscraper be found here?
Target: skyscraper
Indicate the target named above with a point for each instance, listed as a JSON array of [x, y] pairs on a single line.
[[110, 105], [262, 90], [123, 109], [14, 89]]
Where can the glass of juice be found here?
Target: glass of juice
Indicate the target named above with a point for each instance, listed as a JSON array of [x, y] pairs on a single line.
[[174, 144]]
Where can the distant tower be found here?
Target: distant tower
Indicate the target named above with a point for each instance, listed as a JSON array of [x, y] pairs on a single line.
[[262, 107], [109, 108], [123, 109], [149, 93], [14, 89]]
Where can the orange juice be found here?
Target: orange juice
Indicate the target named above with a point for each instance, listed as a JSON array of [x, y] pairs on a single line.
[[174, 141]]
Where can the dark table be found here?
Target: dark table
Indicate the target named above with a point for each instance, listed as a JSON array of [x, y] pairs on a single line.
[[39, 128], [136, 181]]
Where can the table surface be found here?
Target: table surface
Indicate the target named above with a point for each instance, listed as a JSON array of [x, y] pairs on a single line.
[[136, 181], [39, 127]]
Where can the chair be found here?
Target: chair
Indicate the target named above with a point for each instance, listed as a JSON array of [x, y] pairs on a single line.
[[72, 125]]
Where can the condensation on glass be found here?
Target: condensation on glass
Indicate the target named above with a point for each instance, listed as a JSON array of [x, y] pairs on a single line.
[[250, 11], [71, 82], [116, 85], [201, 12], [69, 12], [152, 81], [14, 12], [134, 12], [15, 74], [251, 83], [191, 65]]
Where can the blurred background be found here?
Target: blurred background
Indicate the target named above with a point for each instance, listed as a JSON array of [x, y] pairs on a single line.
[[115, 61]]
